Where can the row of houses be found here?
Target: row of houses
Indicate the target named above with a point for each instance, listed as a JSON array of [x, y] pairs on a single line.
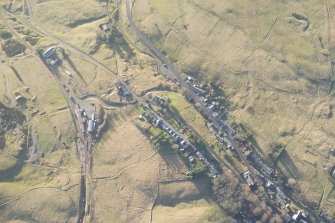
[[185, 146], [195, 87], [260, 165]]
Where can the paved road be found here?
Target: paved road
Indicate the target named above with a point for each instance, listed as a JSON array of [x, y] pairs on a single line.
[[104, 103]]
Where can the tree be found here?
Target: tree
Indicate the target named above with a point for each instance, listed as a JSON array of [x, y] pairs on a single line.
[[291, 182], [228, 220], [235, 198], [276, 219]]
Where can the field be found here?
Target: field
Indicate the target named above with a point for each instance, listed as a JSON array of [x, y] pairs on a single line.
[[42, 180], [46, 183], [186, 202], [190, 115], [127, 174]]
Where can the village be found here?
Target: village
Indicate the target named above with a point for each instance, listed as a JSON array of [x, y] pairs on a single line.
[[259, 175]]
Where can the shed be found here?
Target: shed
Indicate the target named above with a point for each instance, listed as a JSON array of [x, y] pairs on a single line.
[[90, 127], [49, 52]]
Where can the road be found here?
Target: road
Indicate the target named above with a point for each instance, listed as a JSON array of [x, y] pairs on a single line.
[[104, 103]]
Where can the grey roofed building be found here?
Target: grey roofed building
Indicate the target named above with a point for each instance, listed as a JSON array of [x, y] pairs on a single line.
[[196, 89], [158, 121], [262, 166], [184, 144], [248, 178], [105, 27], [123, 90], [20, 98], [90, 127], [159, 99], [299, 216], [49, 52], [213, 171]]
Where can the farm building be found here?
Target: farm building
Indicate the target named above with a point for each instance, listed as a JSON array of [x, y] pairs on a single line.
[[49, 52], [90, 127]]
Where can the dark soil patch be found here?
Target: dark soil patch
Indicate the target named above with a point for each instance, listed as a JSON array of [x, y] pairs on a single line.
[[5, 35]]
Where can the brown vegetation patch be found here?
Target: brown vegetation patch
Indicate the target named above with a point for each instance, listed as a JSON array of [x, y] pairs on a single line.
[[13, 47]]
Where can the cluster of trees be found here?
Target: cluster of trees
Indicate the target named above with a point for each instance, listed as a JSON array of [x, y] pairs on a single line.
[[237, 200]]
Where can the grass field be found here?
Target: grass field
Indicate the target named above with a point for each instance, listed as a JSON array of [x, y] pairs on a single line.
[[186, 202], [37, 192], [190, 115], [128, 173]]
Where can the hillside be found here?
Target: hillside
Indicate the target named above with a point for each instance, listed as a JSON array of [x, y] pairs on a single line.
[[273, 60], [154, 112]]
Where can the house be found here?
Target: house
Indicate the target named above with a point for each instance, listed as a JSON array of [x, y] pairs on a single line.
[[20, 99], [332, 171], [196, 89], [199, 155], [215, 103], [68, 73], [299, 216], [184, 144], [288, 208], [211, 107], [227, 141], [248, 179], [213, 171], [159, 100], [191, 159], [158, 121], [263, 168], [54, 62], [104, 27], [123, 91], [270, 186]]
